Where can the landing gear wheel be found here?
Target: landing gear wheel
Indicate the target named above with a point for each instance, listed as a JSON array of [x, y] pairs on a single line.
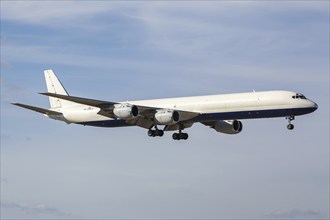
[[290, 126], [175, 136], [183, 136], [151, 133], [159, 133], [155, 133], [180, 136]]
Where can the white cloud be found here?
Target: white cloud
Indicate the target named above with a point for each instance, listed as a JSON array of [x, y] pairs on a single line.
[[189, 28], [49, 12], [38, 209], [45, 55], [296, 214]]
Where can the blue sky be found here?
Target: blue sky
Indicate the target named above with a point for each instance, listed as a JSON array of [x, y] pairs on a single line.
[[120, 51]]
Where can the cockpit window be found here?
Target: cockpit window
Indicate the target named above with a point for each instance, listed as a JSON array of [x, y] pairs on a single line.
[[299, 96]]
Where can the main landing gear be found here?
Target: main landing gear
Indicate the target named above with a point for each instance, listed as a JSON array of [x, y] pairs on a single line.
[[290, 125], [160, 133], [180, 135], [155, 133]]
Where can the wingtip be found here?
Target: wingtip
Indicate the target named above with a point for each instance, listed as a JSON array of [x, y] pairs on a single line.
[[43, 93], [17, 104]]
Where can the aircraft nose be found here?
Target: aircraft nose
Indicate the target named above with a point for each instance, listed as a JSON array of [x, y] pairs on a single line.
[[314, 105]]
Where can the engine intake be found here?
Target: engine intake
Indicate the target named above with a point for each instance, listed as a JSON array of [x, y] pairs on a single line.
[[167, 117], [126, 111], [228, 127]]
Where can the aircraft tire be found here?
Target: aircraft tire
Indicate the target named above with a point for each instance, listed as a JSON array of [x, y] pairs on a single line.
[[160, 133], [180, 136], [290, 126], [151, 133]]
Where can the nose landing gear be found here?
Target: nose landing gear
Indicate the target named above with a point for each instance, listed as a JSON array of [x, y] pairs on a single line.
[[290, 125]]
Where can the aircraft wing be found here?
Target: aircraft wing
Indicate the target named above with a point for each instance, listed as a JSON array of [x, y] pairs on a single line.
[[106, 107], [40, 110], [145, 118], [84, 101]]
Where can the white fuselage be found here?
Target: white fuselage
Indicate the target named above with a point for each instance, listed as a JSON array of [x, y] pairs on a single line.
[[214, 107]]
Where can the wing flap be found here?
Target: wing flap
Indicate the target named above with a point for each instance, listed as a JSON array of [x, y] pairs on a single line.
[[141, 122], [176, 127]]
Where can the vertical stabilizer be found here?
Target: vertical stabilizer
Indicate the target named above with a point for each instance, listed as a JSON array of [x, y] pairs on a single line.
[[55, 86]]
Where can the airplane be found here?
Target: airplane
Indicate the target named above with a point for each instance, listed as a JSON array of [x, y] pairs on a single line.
[[220, 112]]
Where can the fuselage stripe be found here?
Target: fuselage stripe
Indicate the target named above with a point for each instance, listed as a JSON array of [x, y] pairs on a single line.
[[217, 116]]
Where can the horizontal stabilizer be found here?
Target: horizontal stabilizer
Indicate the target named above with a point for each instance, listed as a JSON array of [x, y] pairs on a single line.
[[37, 109]]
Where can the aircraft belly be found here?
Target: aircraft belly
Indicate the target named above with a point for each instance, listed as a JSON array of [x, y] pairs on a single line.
[[250, 114], [106, 123], [83, 116]]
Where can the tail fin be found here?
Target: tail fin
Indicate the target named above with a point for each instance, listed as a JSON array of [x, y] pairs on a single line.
[[55, 86]]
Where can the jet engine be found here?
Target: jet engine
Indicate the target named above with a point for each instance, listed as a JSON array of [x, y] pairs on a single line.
[[228, 127], [167, 117], [126, 111]]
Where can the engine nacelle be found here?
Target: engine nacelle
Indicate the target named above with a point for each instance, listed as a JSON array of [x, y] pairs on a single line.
[[228, 127], [126, 111], [167, 117]]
